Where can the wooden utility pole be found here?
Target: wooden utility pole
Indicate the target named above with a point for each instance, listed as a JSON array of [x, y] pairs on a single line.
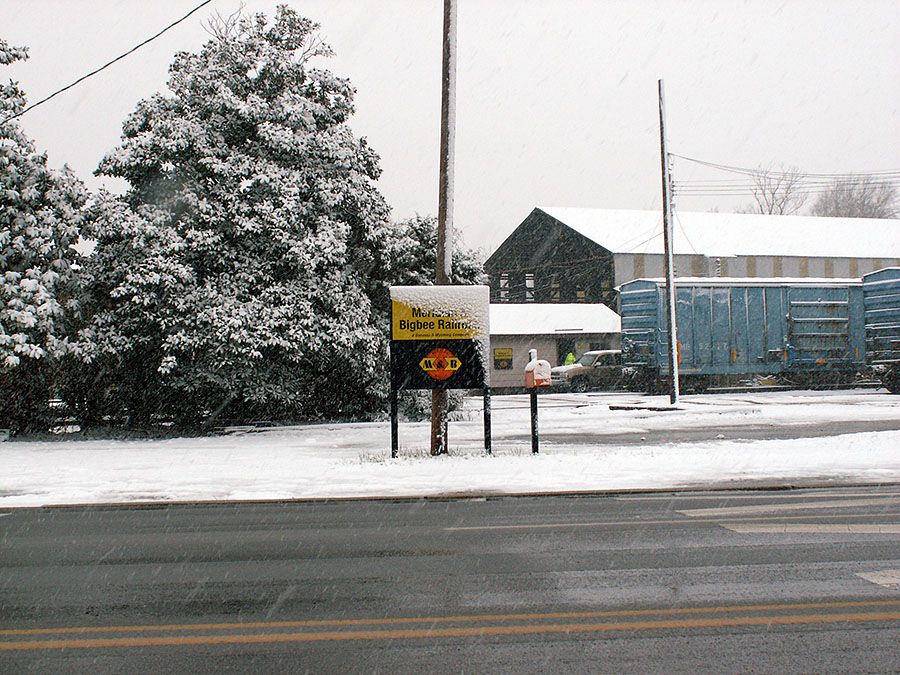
[[439, 441], [670, 257]]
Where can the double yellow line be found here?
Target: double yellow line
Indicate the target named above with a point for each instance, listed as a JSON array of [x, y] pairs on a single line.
[[437, 627]]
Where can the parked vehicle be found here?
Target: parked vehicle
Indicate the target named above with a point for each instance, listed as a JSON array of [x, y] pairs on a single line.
[[803, 330], [597, 369], [881, 298]]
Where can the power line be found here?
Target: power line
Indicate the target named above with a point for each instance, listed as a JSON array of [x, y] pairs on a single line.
[[753, 172], [757, 171], [693, 190], [103, 67], [801, 183]]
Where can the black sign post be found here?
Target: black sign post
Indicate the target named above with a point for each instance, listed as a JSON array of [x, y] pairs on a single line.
[[439, 340], [537, 374]]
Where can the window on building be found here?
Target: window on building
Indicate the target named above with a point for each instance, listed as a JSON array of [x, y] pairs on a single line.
[[555, 289], [503, 294], [529, 286]]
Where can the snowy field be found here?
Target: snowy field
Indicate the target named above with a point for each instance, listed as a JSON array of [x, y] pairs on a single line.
[[588, 442]]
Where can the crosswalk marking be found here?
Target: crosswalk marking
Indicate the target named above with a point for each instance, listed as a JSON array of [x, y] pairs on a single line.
[[812, 528], [799, 506], [887, 578]]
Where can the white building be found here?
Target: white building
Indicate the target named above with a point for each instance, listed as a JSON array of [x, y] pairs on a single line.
[[552, 329]]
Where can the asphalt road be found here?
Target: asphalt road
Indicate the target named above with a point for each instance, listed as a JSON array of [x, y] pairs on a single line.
[[788, 581]]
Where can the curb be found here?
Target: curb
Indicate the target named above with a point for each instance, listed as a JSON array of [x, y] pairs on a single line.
[[758, 486]]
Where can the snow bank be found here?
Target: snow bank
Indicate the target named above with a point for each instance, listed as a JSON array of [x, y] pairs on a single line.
[[589, 442]]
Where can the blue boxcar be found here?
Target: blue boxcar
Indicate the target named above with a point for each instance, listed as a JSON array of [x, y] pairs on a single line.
[[800, 328], [881, 296]]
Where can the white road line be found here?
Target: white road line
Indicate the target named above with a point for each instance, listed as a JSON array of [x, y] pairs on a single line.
[[812, 528], [886, 578], [737, 496], [799, 506]]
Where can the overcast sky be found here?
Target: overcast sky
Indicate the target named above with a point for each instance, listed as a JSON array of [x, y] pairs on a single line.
[[557, 101]]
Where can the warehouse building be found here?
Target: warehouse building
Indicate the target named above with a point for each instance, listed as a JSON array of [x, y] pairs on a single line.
[[553, 330], [576, 255]]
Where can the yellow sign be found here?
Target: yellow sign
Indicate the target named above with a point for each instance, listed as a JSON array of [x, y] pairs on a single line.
[[503, 358], [416, 323]]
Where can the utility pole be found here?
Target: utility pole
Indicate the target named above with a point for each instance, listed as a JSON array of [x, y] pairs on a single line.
[[439, 413], [670, 257]]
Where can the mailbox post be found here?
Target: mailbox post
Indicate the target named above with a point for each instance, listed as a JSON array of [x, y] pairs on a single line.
[[537, 374]]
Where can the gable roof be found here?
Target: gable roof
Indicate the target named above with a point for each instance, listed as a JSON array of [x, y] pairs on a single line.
[[552, 318], [729, 234]]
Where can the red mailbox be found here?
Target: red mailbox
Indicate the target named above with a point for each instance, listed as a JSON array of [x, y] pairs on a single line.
[[537, 373]]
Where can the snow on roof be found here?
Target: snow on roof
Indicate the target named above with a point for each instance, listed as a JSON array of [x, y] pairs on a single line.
[[729, 234], [552, 319]]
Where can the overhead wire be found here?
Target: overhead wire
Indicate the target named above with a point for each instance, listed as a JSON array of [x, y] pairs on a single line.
[[803, 183], [753, 172], [107, 65]]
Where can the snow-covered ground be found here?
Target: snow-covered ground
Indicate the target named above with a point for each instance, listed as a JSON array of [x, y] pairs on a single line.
[[588, 442]]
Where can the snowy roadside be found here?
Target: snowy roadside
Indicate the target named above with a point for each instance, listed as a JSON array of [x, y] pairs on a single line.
[[353, 460]]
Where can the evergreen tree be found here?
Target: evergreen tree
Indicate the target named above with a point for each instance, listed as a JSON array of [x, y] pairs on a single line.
[[413, 255], [236, 277], [39, 223]]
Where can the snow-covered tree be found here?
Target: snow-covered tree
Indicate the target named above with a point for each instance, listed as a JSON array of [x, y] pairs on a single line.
[[39, 222], [237, 276], [413, 256]]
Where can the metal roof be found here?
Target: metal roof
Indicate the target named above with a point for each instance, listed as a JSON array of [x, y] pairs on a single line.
[[731, 234]]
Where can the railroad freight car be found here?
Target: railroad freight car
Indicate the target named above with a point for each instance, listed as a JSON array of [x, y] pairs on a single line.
[[881, 297], [801, 330]]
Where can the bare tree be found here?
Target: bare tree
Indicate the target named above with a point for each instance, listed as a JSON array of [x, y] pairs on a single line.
[[855, 196], [777, 191]]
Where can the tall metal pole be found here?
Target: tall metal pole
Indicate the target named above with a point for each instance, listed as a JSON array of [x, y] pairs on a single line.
[[670, 259], [439, 414]]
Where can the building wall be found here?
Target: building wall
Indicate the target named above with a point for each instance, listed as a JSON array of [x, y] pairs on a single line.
[[651, 265], [514, 376], [547, 347], [545, 261], [629, 266]]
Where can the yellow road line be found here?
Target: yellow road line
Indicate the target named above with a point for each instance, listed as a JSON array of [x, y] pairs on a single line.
[[462, 631], [546, 616]]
